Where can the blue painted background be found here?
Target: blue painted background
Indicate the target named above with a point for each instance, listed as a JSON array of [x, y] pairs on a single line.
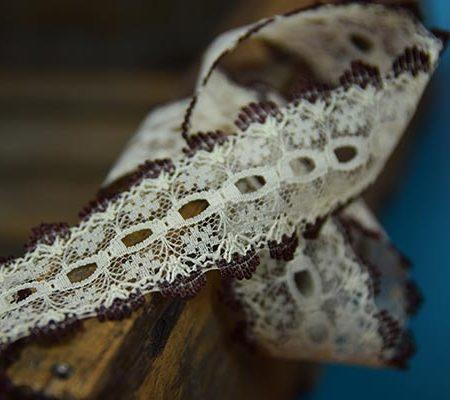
[[418, 221]]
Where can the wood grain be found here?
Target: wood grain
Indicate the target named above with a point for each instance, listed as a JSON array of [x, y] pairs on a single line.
[[171, 349]]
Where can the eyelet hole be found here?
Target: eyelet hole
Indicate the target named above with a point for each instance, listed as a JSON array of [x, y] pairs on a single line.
[[81, 273], [136, 237], [22, 294], [304, 283], [345, 154], [302, 166], [250, 184], [193, 208], [361, 42]]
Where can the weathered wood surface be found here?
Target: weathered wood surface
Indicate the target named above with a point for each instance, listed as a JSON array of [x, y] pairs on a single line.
[[169, 349]]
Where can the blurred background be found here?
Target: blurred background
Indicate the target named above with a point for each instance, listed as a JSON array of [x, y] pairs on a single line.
[[76, 79]]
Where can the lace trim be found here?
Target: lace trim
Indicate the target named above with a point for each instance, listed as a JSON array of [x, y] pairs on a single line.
[[344, 297], [287, 165]]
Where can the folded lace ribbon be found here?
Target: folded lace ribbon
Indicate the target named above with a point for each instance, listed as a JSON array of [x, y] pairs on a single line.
[[269, 153]]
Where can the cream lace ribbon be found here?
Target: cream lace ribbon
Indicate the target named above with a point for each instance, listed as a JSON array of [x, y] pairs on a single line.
[[257, 184]]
